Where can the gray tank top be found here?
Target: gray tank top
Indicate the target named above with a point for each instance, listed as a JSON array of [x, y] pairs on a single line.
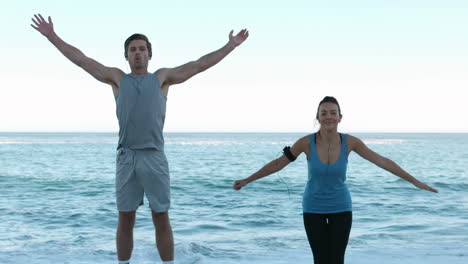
[[141, 110]]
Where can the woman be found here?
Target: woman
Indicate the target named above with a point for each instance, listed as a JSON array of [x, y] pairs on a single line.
[[326, 201]]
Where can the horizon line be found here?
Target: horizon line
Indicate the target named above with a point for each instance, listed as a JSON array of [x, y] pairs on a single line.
[[241, 132]]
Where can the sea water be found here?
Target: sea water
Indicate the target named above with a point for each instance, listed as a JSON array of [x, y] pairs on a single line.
[[57, 202]]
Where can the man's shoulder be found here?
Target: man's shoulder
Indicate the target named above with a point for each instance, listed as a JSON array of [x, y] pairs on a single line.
[[161, 73]]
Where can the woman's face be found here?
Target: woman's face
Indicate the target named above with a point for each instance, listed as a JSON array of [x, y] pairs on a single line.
[[329, 116]]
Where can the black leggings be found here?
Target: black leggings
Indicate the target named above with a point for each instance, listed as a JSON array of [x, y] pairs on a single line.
[[328, 236]]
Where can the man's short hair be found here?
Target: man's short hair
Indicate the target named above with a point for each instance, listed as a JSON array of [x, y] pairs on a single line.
[[135, 37]]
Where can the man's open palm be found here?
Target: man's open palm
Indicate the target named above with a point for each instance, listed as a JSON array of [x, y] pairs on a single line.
[[42, 26], [239, 38]]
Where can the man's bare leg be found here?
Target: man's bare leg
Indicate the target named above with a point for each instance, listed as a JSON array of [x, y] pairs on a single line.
[[164, 239], [125, 235]]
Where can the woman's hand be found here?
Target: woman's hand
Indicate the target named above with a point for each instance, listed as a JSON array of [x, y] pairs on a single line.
[[239, 184], [422, 185]]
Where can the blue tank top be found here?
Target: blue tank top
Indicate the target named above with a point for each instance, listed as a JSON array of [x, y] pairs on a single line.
[[141, 111], [326, 191]]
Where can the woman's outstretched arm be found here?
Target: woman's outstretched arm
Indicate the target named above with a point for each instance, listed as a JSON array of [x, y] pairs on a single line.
[[275, 165], [387, 164]]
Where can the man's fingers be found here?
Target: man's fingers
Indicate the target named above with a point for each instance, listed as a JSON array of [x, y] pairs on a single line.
[[42, 19], [39, 20], [50, 20], [35, 22], [36, 28], [244, 34]]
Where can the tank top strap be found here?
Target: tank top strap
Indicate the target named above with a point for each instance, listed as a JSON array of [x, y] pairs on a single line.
[[344, 141], [344, 147], [312, 148]]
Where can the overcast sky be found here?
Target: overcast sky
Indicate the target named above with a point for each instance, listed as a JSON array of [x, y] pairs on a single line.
[[395, 66]]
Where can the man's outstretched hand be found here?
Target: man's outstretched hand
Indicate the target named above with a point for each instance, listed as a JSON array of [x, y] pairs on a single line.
[[239, 38], [42, 26]]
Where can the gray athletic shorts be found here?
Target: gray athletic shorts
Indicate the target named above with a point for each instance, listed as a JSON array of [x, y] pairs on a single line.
[[141, 172]]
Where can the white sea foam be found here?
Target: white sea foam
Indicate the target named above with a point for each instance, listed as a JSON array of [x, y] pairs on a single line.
[[282, 143], [184, 255], [14, 142], [453, 254], [207, 142], [384, 141], [46, 142], [37, 142]]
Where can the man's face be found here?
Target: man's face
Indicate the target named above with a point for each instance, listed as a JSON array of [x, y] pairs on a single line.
[[138, 55]]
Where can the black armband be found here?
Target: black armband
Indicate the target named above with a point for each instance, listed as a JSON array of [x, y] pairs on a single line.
[[288, 154]]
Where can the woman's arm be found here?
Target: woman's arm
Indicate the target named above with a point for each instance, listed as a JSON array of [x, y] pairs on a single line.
[[275, 165], [360, 148]]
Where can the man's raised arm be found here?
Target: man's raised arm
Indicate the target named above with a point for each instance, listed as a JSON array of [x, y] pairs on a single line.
[[97, 70], [170, 76]]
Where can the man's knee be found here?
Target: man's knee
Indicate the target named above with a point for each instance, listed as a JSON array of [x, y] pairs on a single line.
[[127, 219], [161, 220]]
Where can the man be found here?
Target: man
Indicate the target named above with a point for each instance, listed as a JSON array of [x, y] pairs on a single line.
[[141, 106]]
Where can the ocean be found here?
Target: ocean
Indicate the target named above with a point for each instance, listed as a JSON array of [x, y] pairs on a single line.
[[57, 202]]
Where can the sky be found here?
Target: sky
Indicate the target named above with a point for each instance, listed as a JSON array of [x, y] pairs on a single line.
[[394, 66]]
